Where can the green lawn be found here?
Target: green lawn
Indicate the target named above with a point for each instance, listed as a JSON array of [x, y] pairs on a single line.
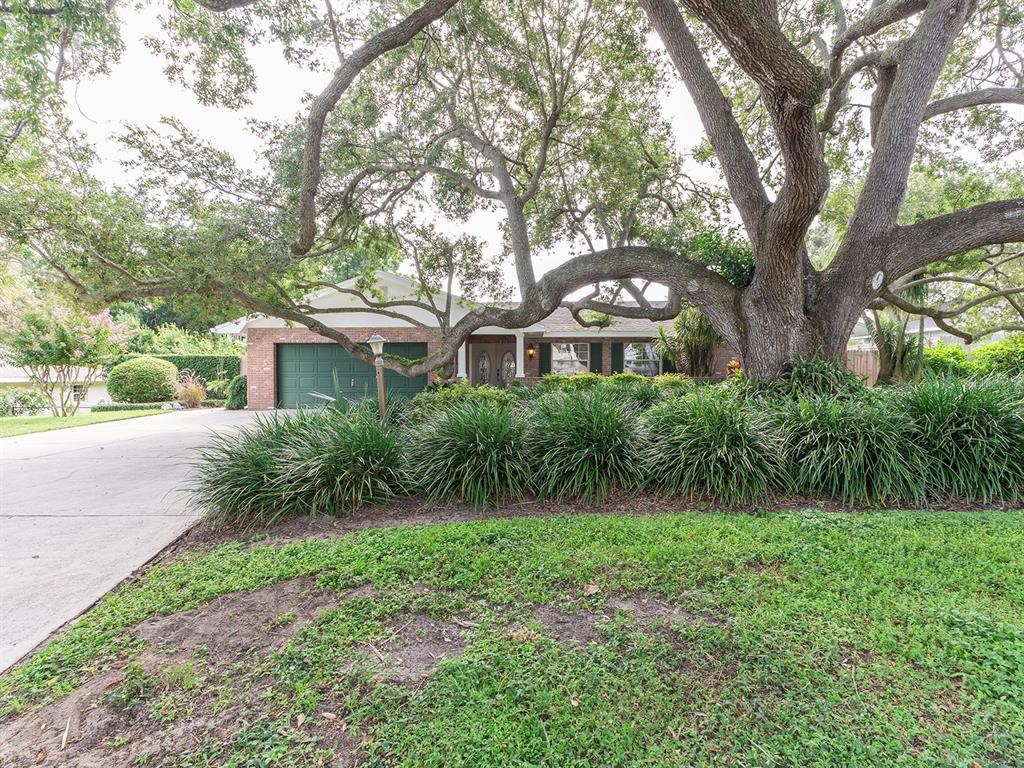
[[779, 639], [24, 425]]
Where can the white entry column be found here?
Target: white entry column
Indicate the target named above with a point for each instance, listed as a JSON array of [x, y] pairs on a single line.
[[462, 362], [520, 357]]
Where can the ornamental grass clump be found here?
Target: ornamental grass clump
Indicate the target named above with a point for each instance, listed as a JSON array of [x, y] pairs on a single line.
[[582, 444], [855, 451], [710, 444], [471, 452], [971, 432], [632, 390], [335, 462], [240, 479]]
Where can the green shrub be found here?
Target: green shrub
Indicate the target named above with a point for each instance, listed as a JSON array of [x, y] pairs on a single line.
[[571, 382], [582, 444], [102, 407], [239, 478], [336, 462], [238, 394], [206, 367], [851, 450], [217, 388], [673, 384], [1001, 357], [426, 404], [711, 444], [21, 402], [470, 451], [947, 360], [214, 402], [805, 377], [142, 380], [972, 435]]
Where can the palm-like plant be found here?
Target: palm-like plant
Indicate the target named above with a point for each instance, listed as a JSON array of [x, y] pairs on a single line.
[[690, 344]]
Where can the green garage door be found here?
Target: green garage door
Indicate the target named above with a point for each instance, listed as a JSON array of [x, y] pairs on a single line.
[[306, 368]]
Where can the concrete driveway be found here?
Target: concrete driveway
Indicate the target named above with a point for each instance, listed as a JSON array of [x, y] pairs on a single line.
[[81, 508]]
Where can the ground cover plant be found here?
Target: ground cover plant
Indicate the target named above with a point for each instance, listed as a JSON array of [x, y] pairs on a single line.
[[819, 434], [799, 638]]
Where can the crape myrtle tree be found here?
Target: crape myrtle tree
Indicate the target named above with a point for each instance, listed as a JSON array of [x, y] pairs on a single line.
[[545, 115]]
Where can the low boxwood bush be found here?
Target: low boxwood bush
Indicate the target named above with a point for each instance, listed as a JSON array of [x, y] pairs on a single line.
[[581, 444], [711, 444], [426, 404], [142, 380], [571, 382], [850, 450], [472, 452], [971, 432], [238, 394], [1004, 357], [101, 407]]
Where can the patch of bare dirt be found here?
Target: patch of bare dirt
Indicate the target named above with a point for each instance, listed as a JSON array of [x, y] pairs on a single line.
[[91, 729], [415, 648], [569, 628], [648, 609], [233, 624]]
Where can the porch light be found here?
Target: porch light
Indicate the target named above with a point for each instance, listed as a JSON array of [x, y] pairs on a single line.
[[531, 351], [376, 343]]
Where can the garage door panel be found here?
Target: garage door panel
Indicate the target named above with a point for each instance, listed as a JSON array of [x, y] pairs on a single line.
[[306, 368]]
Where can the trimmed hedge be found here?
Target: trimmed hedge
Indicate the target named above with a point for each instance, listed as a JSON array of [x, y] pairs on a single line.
[[1004, 357], [102, 407], [238, 394], [143, 380], [206, 367]]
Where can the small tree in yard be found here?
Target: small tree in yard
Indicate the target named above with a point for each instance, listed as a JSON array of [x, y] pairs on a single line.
[[58, 347]]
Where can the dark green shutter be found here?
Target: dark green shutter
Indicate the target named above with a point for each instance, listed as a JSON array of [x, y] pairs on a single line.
[[618, 358], [596, 355], [667, 366], [545, 359]]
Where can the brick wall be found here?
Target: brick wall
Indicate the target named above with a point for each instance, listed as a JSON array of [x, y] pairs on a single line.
[[260, 354]]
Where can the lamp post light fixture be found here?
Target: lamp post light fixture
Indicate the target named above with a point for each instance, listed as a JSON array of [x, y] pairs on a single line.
[[376, 343]]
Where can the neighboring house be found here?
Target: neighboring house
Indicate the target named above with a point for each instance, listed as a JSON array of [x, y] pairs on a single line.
[[16, 378], [285, 364], [861, 339]]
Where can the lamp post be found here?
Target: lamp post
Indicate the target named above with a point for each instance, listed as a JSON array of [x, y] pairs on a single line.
[[376, 343]]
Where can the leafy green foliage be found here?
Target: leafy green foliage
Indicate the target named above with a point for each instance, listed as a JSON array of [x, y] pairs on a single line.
[[972, 435], [709, 444], [21, 402], [113, 407], [238, 393], [143, 380], [853, 450], [1005, 356], [439, 398], [582, 444], [566, 382], [471, 451], [691, 343], [947, 360], [673, 384]]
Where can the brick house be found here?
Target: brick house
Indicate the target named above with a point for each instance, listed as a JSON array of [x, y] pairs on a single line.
[[286, 364]]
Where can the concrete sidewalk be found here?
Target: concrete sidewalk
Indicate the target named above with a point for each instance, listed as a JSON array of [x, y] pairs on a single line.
[[81, 508]]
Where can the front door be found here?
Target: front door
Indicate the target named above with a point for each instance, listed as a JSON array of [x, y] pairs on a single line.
[[492, 364]]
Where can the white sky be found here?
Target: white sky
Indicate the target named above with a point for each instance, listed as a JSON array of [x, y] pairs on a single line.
[[137, 92]]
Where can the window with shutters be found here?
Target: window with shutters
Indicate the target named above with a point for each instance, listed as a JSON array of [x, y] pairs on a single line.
[[570, 358], [642, 359]]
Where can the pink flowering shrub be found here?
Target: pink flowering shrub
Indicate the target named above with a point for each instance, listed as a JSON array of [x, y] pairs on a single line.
[[58, 347]]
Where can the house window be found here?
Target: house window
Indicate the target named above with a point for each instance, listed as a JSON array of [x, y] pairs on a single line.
[[570, 358], [642, 359], [76, 392]]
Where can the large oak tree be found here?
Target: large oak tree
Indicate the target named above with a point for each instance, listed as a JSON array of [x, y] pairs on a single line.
[[546, 115]]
